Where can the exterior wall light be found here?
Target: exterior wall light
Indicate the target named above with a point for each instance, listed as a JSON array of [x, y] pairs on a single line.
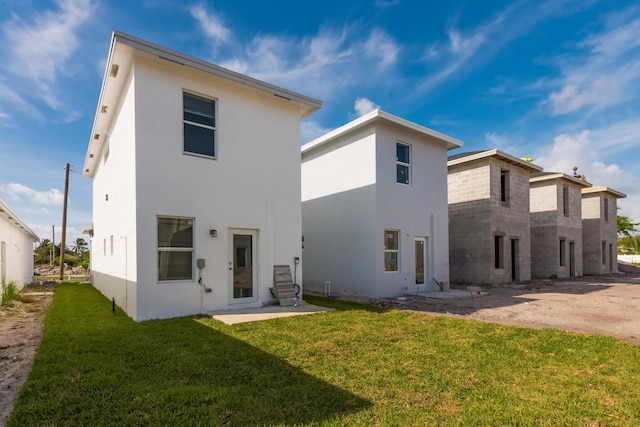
[[213, 233]]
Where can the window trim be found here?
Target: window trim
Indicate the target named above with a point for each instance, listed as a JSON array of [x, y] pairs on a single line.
[[396, 250], [191, 123], [175, 249], [404, 164]]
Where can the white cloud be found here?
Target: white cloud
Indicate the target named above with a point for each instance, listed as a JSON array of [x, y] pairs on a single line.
[[381, 47], [40, 50], [607, 75], [211, 24], [363, 106], [17, 191], [11, 98], [583, 150], [311, 130]]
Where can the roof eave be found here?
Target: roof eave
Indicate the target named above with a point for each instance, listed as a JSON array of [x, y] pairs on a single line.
[[532, 167], [379, 115]]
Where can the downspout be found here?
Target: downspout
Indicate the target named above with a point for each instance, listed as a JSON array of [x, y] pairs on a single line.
[[433, 244]]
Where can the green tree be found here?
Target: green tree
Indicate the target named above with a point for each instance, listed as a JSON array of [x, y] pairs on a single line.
[[42, 254], [626, 226], [79, 247]]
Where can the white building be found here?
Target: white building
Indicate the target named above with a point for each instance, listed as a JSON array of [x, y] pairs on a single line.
[[191, 162], [16, 248], [374, 208]]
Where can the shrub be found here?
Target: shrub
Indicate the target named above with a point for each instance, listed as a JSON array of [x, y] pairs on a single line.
[[9, 292]]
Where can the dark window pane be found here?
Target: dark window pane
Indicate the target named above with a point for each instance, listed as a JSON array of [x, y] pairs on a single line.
[[402, 174], [175, 232], [199, 110], [174, 265], [391, 239], [199, 140], [402, 153], [390, 261]]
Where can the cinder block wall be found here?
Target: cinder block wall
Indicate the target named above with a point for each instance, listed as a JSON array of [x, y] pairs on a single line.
[[549, 225], [477, 215], [597, 231]]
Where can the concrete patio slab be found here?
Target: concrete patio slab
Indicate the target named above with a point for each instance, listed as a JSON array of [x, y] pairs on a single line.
[[232, 317]]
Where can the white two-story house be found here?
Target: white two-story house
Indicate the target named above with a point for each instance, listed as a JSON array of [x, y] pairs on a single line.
[[196, 183], [374, 208]]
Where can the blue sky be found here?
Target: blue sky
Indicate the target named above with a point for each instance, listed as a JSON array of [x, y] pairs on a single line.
[[554, 80]]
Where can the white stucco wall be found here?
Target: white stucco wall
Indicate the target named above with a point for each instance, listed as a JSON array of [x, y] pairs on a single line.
[[253, 184], [18, 253], [419, 209], [114, 207], [338, 213], [350, 196]]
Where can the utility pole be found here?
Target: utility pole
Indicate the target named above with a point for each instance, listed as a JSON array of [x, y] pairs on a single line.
[[64, 220], [53, 244]]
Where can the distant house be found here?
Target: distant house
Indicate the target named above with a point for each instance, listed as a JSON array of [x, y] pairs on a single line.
[[374, 207], [556, 225], [489, 221], [16, 248], [600, 229], [196, 183]]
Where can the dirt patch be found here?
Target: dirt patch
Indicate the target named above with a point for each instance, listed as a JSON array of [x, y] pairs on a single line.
[[591, 304], [21, 330]]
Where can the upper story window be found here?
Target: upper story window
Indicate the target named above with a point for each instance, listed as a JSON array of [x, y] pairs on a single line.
[[403, 162], [565, 201], [199, 125], [504, 185], [606, 210]]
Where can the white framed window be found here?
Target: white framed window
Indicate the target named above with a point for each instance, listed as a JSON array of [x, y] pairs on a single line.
[[391, 250], [199, 121], [403, 163], [175, 248]]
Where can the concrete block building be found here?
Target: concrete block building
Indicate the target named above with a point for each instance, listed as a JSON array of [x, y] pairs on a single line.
[[556, 225], [599, 229], [489, 217], [374, 208]]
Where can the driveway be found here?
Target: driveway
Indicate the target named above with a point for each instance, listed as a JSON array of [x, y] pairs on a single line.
[[590, 304]]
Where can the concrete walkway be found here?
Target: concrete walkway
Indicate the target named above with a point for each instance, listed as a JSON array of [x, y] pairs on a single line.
[[231, 317]]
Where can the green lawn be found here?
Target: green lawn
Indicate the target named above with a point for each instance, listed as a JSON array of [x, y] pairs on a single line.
[[355, 366]]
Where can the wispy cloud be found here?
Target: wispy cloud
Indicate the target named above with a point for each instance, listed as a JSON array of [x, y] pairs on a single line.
[[211, 24], [311, 130], [11, 99], [465, 50], [39, 50], [385, 4], [318, 64], [607, 74], [583, 149], [17, 192]]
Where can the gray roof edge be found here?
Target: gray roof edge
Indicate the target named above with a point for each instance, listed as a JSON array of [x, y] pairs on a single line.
[[604, 189], [373, 116], [25, 228], [560, 175], [184, 59], [494, 152]]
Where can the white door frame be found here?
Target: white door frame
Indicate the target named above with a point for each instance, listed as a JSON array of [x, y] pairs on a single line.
[[425, 260], [232, 263]]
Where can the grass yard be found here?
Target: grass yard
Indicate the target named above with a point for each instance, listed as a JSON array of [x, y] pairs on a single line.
[[355, 366]]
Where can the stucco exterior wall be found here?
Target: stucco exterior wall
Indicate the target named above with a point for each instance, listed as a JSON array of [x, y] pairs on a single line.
[[550, 225], [417, 210], [251, 187], [477, 215], [113, 245], [350, 197], [18, 254], [338, 216]]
